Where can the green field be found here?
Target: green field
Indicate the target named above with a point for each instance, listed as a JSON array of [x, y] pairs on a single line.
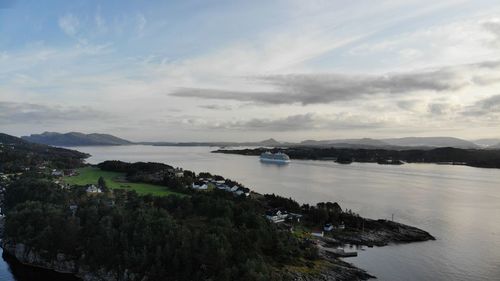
[[114, 180]]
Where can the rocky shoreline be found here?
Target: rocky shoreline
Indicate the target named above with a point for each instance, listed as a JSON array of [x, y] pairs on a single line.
[[329, 269], [382, 233], [61, 264]]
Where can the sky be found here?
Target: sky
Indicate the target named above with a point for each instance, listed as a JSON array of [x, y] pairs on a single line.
[[251, 70]]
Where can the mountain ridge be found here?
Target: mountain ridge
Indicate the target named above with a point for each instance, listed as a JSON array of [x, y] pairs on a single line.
[[75, 139]]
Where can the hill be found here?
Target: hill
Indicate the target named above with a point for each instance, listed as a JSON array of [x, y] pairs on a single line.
[[496, 146], [75, 139], [17, 155], [347, 143], [431, 142], [487, 142]]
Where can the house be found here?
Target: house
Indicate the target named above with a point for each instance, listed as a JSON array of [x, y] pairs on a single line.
[[276, 215], [57, 173], [222, 186], [199, 185], [293, 217], [317, 233], [328, 227], [234, 188], [93, 189]]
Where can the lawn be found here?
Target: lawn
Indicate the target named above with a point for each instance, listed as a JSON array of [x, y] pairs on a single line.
[[90, 175]]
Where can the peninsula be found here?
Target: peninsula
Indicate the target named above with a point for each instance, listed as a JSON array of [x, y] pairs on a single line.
[[152, 221]]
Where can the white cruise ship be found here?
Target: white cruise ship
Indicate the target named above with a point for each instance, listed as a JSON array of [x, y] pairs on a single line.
[[279, 157]]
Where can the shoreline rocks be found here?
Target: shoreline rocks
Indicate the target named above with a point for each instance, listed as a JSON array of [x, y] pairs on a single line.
[[382, 233]]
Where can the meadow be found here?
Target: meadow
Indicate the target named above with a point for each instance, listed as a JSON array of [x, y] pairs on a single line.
[[114, 180]]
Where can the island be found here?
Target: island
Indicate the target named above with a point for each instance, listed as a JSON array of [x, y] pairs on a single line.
[[152, 221], [444, 155]]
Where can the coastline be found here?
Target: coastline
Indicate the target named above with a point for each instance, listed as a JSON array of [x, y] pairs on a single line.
[[328, 268], [439, 156]]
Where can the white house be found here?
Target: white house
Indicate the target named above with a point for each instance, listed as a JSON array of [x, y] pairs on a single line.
[[93, 189], [57, 173], [328, 227], [234, 188], [276, 215], [223, 187], [317, 233], [199, 185]]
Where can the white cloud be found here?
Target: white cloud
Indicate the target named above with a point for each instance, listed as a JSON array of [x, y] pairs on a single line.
[[69, 24], [141, 23]]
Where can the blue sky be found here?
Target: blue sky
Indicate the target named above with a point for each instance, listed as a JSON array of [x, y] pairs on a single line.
[[238, 70]]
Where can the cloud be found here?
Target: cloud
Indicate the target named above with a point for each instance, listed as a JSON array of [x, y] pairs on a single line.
[[141, 23], [303, 122], [493, 26], [24, 113], [329, 88], [484, 107], [69, 24], [438, 108], [216, 107]]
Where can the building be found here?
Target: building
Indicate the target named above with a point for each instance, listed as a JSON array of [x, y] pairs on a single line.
[[199, 185], [57, 173], [222, 186], [276, 215], [317, 233], [328, 227], [93, 189]]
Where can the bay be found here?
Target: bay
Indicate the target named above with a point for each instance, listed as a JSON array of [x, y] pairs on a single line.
[[459, 205]]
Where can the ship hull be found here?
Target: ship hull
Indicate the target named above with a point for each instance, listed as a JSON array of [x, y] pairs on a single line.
[[277, 161]]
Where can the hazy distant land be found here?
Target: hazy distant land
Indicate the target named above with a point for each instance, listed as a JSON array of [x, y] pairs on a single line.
[[425, 143]]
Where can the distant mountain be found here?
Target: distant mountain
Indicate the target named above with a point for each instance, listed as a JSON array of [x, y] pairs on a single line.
[[269, 142], [75, 139], [487, 142], [431, 142], [495, 146], [347, 143], [366, 143]]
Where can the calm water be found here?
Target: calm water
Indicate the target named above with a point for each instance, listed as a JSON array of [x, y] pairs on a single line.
[[460, 206]]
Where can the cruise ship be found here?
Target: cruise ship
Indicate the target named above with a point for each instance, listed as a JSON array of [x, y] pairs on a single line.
[[280, 158]]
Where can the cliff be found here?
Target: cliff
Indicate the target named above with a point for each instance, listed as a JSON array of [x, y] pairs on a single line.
[[62, 264]]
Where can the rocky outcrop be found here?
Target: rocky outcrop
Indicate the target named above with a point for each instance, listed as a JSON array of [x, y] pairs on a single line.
[[63, 264], [381, 233], [331, 269]]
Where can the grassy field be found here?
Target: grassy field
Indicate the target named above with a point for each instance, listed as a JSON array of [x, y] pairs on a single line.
[[90, 175]]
